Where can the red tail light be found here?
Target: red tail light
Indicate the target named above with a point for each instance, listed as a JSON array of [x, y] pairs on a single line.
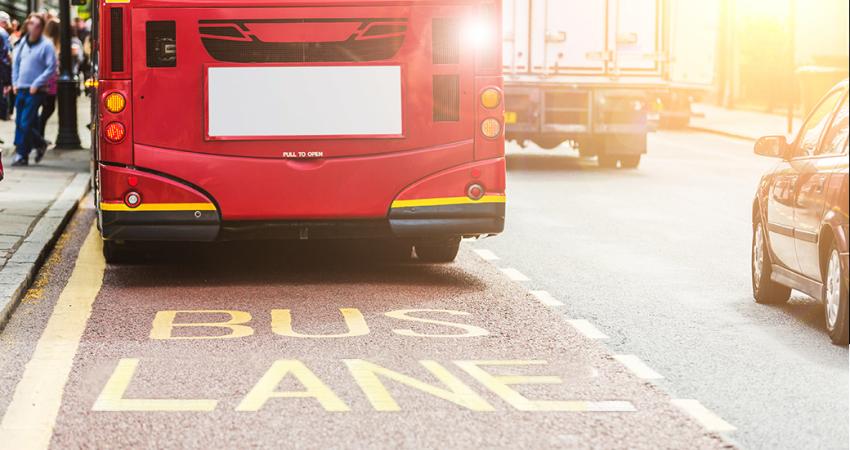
[[115, 132]]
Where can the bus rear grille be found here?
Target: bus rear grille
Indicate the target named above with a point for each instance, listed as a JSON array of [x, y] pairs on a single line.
[[116, 44], [232, 41], [445, 41], [446, 98]]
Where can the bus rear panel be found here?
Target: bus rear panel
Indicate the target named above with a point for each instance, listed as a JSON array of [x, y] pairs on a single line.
[[230, 120]]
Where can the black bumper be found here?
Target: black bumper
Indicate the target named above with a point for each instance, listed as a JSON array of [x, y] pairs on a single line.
[[206, 226]]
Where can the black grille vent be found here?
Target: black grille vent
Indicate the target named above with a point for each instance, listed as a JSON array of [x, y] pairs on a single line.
[[445, 41], [446, 98], [161, 44], [116, 29]]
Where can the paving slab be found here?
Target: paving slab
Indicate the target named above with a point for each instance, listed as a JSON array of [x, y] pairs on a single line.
[[35, 203]]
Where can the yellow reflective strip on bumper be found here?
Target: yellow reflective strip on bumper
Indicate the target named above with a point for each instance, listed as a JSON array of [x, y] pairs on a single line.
[[447, 201], [159, 207]]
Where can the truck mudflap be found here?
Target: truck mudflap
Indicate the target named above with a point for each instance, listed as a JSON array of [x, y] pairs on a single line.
[[464, 201]]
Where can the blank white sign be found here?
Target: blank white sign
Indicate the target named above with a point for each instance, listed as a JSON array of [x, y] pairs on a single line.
[[304, 101]]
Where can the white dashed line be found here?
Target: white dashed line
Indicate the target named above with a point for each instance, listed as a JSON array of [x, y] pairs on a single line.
[[546, 298], [638, 367], [706, 418], [515, 275], [486, 255], [586, 328]]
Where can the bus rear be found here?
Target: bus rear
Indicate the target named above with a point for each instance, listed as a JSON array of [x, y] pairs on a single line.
[[221, 120]]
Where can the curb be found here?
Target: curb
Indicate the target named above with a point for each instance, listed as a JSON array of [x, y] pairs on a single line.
[[24, 265], [723, 133]]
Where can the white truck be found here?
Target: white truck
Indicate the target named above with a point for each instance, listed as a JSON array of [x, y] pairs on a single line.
[[591, 72]]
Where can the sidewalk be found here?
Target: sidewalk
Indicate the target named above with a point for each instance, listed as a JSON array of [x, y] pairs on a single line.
[[748, 125], [35, 203]]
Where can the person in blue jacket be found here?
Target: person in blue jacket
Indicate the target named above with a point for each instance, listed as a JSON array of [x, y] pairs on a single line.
[[33, 63]]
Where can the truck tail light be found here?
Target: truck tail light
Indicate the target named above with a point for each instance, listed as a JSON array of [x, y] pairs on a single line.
[[115, 132]]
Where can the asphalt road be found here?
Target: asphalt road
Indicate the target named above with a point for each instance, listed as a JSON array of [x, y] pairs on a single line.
[[659, 260], [614, 313]]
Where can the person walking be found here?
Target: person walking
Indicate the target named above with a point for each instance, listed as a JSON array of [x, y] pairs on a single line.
[[5, 65], [48, 105], [33, 63]]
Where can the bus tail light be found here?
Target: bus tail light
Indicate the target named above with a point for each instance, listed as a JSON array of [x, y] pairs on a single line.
[[115, 132], [491, 128], [115, 102], [491, 98], [133, 199], [475, 192]]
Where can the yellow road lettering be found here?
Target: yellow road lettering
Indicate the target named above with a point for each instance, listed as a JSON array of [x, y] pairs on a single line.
[[265, 389], [164, 324], [367, 375], [112, 399], [501, 385], [282, 324], [406, 314]]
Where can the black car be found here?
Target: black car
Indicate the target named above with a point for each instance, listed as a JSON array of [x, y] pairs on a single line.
[[800, 215]]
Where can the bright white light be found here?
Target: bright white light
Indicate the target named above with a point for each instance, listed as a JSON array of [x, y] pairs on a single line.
[[478, 32]]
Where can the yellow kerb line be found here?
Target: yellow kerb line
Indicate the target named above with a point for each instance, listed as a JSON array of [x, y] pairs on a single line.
[[159, 207], [31, 415], [448, 201]]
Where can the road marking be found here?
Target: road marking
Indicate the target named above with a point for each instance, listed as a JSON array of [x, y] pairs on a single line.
[[486, 255], [586, 328], [706, 418], [515, 275], [638, 367], [31, 415], [546, 298]]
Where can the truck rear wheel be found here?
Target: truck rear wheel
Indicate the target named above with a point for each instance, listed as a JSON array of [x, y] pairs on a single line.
[[608, 161], [630, 161]]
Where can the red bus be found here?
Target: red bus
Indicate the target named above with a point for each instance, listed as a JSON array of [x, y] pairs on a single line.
[[299, 119]]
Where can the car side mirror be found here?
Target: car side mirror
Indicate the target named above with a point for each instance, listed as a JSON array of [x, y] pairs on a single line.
[[772, 146]]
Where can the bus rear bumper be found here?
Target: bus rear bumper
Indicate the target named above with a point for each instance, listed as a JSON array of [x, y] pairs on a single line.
[[180, 226], [137, 205], [452, 220]]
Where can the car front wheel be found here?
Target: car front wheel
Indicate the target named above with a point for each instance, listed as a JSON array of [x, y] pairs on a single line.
[[765, 290], [835, 298]]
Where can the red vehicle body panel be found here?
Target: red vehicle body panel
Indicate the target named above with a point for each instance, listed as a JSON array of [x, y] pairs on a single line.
[[247, 178]]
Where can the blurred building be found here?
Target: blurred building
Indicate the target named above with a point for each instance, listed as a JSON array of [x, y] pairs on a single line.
[[18, 9], [778, 52]]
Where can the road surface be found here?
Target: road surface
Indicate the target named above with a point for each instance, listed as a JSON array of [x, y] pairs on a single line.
[[614, 313]]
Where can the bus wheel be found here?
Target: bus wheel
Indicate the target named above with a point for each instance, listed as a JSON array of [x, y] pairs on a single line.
[[116, 253], [395, 250], [438, 252], [630, 162]]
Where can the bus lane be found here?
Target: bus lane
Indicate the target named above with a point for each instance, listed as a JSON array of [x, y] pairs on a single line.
[[321, 346]]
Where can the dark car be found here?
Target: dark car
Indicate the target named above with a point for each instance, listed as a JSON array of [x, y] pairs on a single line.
[[800, 235]]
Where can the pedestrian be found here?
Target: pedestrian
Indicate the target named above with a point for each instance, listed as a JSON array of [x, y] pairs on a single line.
[[33, 63], [5, 66], [48, 105]]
